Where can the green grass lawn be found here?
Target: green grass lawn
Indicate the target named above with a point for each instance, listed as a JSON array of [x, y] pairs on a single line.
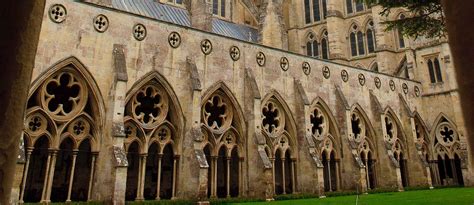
[[448, 196]]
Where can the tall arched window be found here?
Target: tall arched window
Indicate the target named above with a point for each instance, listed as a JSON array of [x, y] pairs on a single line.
[[401, 39], [370, 37], [218, 7], [312, 46], [434, 70], [351, 4], [315, 10], [357, 41], [324, 45]]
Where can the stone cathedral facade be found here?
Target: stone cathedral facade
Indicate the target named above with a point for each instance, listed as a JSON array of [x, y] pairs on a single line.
[[197, 99]]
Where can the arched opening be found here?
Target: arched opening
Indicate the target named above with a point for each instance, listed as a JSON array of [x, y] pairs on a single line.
[[442, 170], [132, 171], [221, 173], [207, 152], [167, 173], [458, 170], [234, 173], [403, 170], [62, 171], [37, 171], [83, 172], [151, 172], [288, 170], [371, 170], [278, 171]]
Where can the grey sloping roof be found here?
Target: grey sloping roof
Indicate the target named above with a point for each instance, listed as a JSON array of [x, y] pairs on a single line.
[[180, 16]]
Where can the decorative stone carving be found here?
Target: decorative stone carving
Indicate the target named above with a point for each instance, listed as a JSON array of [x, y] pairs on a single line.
[[377, 82], [284, 63], [306, 68], [392, 85], [405, 88], [101, 23], [206, 46], [261, 59], [174, 39], [344, 76], [57, 13], [234, 53], [361, 78], [326, 72], [139, 32]]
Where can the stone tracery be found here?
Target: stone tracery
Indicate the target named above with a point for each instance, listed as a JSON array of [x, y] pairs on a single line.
[[62, 117]]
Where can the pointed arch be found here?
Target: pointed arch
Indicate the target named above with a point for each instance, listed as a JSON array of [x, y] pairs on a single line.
[[334, 128], [222, 86], [370, 128], [290, 118], [83, 71], [177, 118]]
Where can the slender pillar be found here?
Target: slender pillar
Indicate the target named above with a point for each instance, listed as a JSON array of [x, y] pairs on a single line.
[[158, 183], [293, 176], [71, 177], [228, 177], [283, 171], [214, 176], [141, 179], [91, 177], [241, 170], [25, 175], [51, 175], [173, 189], [328, 163], [273, 173], [367, 172], [46, 177]]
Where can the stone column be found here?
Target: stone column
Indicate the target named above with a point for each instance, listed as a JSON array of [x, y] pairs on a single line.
[[18, 50], [283, 174], [91, 176], [158, 183], [71, 177], [25, 174], [51, 175], [228, 177]]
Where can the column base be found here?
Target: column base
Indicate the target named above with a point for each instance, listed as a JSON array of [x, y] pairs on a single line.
[[203, 203], [140, 199], [431, 187], [174, 198], [322, 197], [157, 198]]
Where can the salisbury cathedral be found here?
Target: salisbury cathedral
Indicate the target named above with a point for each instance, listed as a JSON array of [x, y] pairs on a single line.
[[137, 100]]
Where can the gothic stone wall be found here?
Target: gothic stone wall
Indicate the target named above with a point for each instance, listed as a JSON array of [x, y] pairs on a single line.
[[77, 37]]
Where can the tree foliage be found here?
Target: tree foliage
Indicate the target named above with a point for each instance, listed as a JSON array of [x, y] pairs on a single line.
[[424, 17]]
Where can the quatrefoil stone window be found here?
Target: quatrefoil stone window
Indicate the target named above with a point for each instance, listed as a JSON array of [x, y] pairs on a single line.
[[272, 119], [150, 106], [417, 91], [36, 123], [163, 134], [174, 39], [139, 32], [284, 63], [101, 23], [234, 53], [57, 13], [206, 46], [217, 113]]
